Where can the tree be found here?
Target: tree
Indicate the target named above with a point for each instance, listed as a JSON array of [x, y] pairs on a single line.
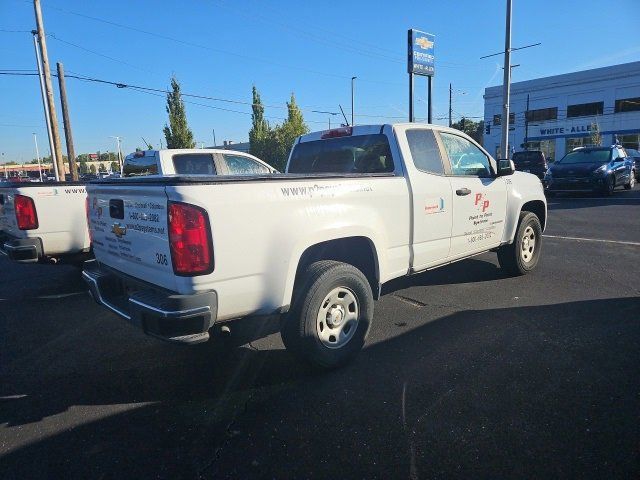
[[596, 138], [102, 168], [92, 169], [115, 167], [474, 129], [274, 144], [177, 133], [82, 167], [287, 133], [260, 129]]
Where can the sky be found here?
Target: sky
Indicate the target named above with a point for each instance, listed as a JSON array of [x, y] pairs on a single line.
[[221, 48]]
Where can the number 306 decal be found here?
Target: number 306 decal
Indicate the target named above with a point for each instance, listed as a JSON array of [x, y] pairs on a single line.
[[161, 259]]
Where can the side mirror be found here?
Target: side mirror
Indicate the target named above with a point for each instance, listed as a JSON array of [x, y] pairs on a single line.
[[505, 167]]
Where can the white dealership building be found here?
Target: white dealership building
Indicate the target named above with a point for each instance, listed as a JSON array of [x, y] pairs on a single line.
[[564, 111]]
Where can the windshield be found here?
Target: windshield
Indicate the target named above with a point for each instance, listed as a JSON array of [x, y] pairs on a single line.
[[587, 156], [357, 154]]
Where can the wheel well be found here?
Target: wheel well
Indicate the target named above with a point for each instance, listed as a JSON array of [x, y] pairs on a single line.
[[536, 207], [357, 251]]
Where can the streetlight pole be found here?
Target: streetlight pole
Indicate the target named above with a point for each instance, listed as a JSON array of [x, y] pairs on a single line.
[[118, 139], [506, 85], [35, 140], [352, 100]]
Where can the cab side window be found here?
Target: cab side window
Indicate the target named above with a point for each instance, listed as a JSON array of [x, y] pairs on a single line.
[[425, 151], [466, 158], [239, 165]]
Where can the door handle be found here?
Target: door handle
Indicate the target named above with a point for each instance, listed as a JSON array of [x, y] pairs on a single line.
[[462, 192]]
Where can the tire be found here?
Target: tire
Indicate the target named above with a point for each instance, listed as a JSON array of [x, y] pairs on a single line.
[[632, 181], [610, 186], [521, 257], [318, 329]]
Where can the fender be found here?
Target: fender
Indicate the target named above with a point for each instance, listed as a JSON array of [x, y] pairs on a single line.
[[523, 189], [328, 234]]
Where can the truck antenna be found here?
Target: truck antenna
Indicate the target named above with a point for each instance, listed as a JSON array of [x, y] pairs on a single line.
[[345, 117]]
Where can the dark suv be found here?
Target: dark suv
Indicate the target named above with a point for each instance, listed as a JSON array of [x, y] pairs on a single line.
[[591, 169], [531, 161]]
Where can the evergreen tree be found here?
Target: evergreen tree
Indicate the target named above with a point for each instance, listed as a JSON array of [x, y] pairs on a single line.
[[287, 133], [260, 129], [177, 133]]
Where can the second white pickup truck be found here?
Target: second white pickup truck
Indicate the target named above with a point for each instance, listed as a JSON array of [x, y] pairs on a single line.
[[357, 207], [44, 222]]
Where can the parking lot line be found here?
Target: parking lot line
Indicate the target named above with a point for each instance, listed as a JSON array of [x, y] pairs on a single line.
[[592, 240]]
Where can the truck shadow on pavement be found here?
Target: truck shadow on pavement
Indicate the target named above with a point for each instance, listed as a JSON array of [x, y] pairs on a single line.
[[528, 391]]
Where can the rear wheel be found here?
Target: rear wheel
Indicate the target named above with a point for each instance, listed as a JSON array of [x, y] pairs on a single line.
[[522, 256], [632, 181], [331, 314]]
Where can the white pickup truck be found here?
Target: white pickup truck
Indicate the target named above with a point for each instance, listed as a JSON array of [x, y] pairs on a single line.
[[357, 207], [44, 222]]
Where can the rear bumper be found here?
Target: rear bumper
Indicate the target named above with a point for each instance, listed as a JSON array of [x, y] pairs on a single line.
[[23, 250], [166, 315]]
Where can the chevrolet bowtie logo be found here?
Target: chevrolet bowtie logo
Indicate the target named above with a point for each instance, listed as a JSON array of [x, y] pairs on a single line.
[[424, 43], [119, 230]]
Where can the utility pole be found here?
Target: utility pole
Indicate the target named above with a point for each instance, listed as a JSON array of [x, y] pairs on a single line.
[[506, 85], [430, 104], [66, 121], [49, 92], [526, 126], [213, 130], [35, 140], [352, 101], [450, 111], [45, 106]]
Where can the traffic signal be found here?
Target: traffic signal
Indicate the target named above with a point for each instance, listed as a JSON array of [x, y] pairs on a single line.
[[487, 129]]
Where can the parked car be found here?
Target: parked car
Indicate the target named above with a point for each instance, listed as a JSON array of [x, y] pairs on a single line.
[[635, 156], [193, 162], [531, 161], [358, 206], [591, 169]]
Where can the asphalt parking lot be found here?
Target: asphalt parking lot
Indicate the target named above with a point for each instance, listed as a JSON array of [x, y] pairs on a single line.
[[467, 373]]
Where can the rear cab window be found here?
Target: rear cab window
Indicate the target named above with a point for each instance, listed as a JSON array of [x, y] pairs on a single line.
[[527, 157], [348, 154], [140, 165], [425, 151], [194, 164], [241, 165]]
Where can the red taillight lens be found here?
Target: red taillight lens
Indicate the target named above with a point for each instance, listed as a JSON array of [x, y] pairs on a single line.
[[190, 240], [25, 212]]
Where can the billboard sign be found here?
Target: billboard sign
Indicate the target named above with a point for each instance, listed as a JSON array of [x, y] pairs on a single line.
[[421, 53]]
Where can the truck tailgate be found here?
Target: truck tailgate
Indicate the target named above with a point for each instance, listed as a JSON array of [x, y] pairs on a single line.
[[129, 231]]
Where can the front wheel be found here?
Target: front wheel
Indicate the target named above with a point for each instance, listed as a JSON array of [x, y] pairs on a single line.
[[522, 256], [331, 314], [632, 181], [610, 185]]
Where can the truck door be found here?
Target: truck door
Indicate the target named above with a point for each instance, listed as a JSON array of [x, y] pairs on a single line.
[[479, 198], [430, 196]]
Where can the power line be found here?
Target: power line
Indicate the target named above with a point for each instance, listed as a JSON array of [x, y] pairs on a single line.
[[206, 47]]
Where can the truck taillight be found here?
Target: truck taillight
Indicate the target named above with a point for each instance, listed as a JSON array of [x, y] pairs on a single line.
[[25, 212], [190, 240]]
